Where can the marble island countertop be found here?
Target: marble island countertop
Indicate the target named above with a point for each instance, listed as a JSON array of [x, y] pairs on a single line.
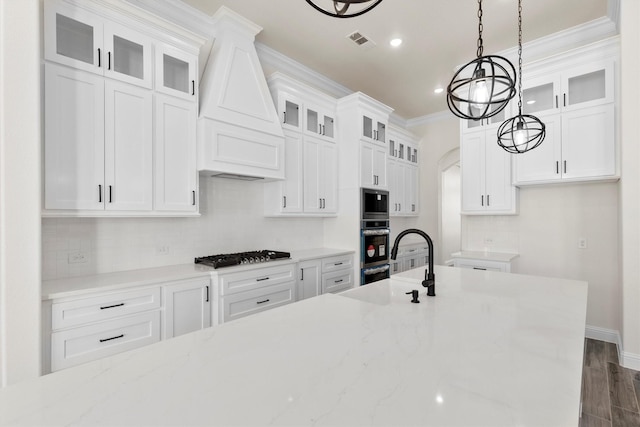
[[490, 349]]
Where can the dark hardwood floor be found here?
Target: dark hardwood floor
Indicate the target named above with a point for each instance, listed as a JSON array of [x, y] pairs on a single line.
[[610, 392]]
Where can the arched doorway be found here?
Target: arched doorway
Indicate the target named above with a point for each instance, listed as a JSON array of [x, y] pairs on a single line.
[[449, 227]]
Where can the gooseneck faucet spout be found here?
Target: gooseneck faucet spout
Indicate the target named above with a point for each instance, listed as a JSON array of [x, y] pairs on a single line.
[[429, 281]]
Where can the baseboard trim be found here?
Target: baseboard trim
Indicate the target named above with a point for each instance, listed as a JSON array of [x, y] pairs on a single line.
[[627, 359]]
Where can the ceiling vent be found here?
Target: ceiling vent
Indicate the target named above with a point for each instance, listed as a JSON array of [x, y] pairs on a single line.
[[361, 40]]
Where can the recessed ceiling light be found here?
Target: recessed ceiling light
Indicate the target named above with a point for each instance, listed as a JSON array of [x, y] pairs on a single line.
[[438, 90], [395, 42]]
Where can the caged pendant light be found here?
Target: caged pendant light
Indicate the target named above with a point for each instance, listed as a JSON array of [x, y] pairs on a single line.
[[483, 87], [340, 8], [523, 132]]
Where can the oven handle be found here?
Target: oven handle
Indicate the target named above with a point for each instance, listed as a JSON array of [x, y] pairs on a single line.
[[375, 232], [370, 271]]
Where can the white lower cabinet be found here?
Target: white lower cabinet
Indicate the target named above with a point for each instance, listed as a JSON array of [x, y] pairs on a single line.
[[309, 279], [409, 257], [248, 292], [72, 347], [103, 323], [324, 275], [187, 307]]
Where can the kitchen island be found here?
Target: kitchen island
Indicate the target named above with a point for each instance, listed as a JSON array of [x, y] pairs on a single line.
[[491, 348]]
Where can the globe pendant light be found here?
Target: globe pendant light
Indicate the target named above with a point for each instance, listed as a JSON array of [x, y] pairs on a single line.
[[483, 87], [523, 132], [340, 8]]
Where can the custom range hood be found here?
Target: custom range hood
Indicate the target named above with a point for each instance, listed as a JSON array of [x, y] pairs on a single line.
[[239, 133]]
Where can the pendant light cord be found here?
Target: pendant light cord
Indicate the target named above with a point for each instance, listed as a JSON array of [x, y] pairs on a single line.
[[480, 47], [520, 57]]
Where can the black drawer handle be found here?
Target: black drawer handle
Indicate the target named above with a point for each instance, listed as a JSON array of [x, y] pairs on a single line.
[[338, 263], [479, 268], [338, 281], [112, 306], [262, 302], [262, 279], [112, 338]]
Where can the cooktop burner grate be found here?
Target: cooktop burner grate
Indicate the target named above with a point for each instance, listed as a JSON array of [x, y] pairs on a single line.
[[226, 260]]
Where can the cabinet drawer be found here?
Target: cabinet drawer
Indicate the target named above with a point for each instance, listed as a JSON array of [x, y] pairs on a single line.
[[483, 265], [250, 302], [80, 345], [253, 279], [85, 310], [336, 263], [337, 281]]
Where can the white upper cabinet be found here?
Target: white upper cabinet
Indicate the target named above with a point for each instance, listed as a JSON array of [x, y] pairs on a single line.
[[84, 41], [577, 106], [175, 173], [74, 139], [176, 72], [320, 176], [374, 128], [491, 122], [485, 176], [319, 122], [402, 164], [373, 166]]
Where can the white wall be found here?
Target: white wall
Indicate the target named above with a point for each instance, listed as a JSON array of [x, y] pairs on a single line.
[[19, 190], [450, 212], [232, 221], [630, 182]]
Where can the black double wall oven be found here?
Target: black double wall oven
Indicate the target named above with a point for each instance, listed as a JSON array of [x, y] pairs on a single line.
[[374, 236]]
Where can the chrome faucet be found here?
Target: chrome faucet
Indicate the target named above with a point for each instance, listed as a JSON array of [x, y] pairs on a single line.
[[429, 281]]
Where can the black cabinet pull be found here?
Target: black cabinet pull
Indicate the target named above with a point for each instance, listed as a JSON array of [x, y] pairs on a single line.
[[556, 101], [110, 194], [193, 87], [262, 279], [193, 195], [557, 167], [207, 299], [284, 117], [338, 263], [99, 57], [488, 204], [564, 101], [112, 338], [479, 268], [337, 281], [302, 274], [284, 201], [565, 166], [109, 63], [111, 306], [262, 302], [482, 200], [99, 193]]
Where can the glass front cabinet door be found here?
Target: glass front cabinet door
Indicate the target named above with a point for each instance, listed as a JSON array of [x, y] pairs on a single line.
[[176, 72]]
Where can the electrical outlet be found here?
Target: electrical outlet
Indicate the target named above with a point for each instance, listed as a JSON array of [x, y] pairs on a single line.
[[77, 257], [163, 250], [582, 243]]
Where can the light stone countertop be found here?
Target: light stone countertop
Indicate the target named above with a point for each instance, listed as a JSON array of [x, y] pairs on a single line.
[[77, 286], [485, 255], [491, 348]]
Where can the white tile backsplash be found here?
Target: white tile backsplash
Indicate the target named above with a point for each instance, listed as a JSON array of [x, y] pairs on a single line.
[[231, 220]]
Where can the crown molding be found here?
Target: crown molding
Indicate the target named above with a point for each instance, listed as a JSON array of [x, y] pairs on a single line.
[[292, 68], [429, 118], [179, 13]]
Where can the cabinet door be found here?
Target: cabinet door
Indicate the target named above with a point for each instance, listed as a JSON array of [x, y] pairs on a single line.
[[587, 145], [472, 171], [176, 72], [290, 111], [337, 281], [380, 167], [329, 177], [311, 148], [128, 55], [542, 163], [367, 178], [175, 172], [374, 128], [73, 37], [128, 147], [499, 193], [187, 307], [588, 85], [74, 139], [396, 187], [309, 280], [292, 186], [412, 188], [540, 95]]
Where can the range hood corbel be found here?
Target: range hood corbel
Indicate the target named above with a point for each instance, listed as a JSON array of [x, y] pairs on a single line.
[[239, 132]]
